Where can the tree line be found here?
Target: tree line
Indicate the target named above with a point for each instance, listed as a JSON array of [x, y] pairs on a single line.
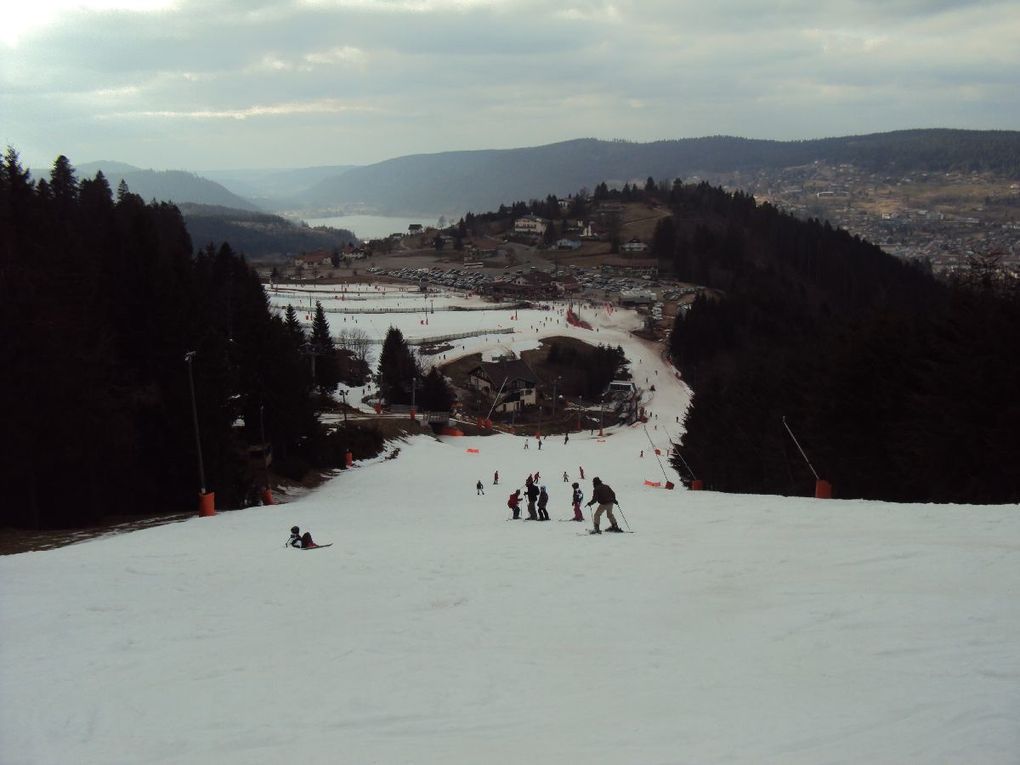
[[101, 298], [898, 385]]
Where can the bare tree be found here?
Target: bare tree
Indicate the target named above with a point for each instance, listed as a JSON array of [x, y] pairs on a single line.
[[356, 341]]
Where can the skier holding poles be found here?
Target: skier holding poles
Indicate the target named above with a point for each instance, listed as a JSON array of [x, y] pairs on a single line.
[[603, 494]]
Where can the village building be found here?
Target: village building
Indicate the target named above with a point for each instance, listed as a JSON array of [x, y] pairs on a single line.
[[313, 260], [530, 224], [512, 381]]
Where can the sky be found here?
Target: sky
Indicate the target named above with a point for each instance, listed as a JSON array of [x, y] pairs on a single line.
[[222, 84]]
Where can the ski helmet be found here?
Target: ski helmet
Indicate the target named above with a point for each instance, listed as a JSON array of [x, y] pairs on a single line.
[[596, 481], [573, 485], [295, 530]]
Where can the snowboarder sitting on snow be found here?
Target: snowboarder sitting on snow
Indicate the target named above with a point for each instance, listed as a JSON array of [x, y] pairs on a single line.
[[606, 497], [297, 539], [514, 503], [576, 499], [543, 500]]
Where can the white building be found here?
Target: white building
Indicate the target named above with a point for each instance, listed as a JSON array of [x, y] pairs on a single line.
[[530, 224]]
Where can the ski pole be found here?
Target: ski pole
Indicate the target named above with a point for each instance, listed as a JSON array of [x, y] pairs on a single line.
[[623, 516]]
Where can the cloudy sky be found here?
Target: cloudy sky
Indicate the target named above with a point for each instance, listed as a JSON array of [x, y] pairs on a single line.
[[216, 84]]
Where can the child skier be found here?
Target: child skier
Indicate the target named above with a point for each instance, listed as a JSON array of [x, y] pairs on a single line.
[[479, 489], [578, 496], [297, 539], [514, 503]]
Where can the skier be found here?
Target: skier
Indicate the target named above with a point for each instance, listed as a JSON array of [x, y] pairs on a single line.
[[479, 489], [606, 498], [525, 444], [297, 539], [514, 503], [566, 437], [532, 496], [495, 478], [543, 501], [565, 476], [540, 444], [577, 497]]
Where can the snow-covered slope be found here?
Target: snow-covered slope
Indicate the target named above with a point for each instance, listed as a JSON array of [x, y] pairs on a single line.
[[738, 629]]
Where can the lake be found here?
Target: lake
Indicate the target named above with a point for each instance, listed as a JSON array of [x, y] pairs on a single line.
[[371, 226]]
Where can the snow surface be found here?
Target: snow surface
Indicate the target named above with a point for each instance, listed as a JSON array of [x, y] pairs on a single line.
[[728, 628]]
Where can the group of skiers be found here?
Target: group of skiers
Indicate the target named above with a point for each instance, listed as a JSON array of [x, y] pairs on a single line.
[[538, 501]]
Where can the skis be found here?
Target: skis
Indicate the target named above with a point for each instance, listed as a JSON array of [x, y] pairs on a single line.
[[316, 547], [590, 533]]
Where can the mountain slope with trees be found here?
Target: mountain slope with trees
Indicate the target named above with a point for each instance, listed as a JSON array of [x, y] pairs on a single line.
[[481, 180], [259, 236], [175, 186], [899, 386]]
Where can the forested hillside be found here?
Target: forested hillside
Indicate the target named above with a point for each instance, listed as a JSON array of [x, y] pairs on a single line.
[[176, 186], [101, 297], [257, 235], [481, 180], [898, 386]]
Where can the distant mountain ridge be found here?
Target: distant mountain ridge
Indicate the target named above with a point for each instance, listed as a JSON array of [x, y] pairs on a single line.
[[452, 183], [455, 182], [177, 186]]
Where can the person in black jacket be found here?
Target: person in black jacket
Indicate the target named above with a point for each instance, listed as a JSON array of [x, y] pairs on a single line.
[[297, 539], [543, 501], [606, 497], [532, 497]]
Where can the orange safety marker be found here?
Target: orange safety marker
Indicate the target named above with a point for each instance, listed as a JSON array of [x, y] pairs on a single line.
[[207, 504]]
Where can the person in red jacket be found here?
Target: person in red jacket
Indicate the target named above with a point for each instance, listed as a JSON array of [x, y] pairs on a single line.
[[514, 503]]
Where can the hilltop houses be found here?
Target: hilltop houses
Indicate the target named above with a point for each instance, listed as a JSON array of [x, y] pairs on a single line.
[[530, 225]]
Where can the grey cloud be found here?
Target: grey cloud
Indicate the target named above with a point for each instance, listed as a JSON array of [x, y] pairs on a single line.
[[223, 79]]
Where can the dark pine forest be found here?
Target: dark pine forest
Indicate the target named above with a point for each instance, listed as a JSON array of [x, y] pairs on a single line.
[[101, 297], [899, 386]]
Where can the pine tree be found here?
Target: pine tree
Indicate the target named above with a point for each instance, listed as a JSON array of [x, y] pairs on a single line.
[[294, 326], [327, 371], [398, 370], [435, 394]]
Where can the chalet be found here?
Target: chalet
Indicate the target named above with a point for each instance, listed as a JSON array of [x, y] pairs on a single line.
[[530, 224], [514, 381], [316, 258]]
